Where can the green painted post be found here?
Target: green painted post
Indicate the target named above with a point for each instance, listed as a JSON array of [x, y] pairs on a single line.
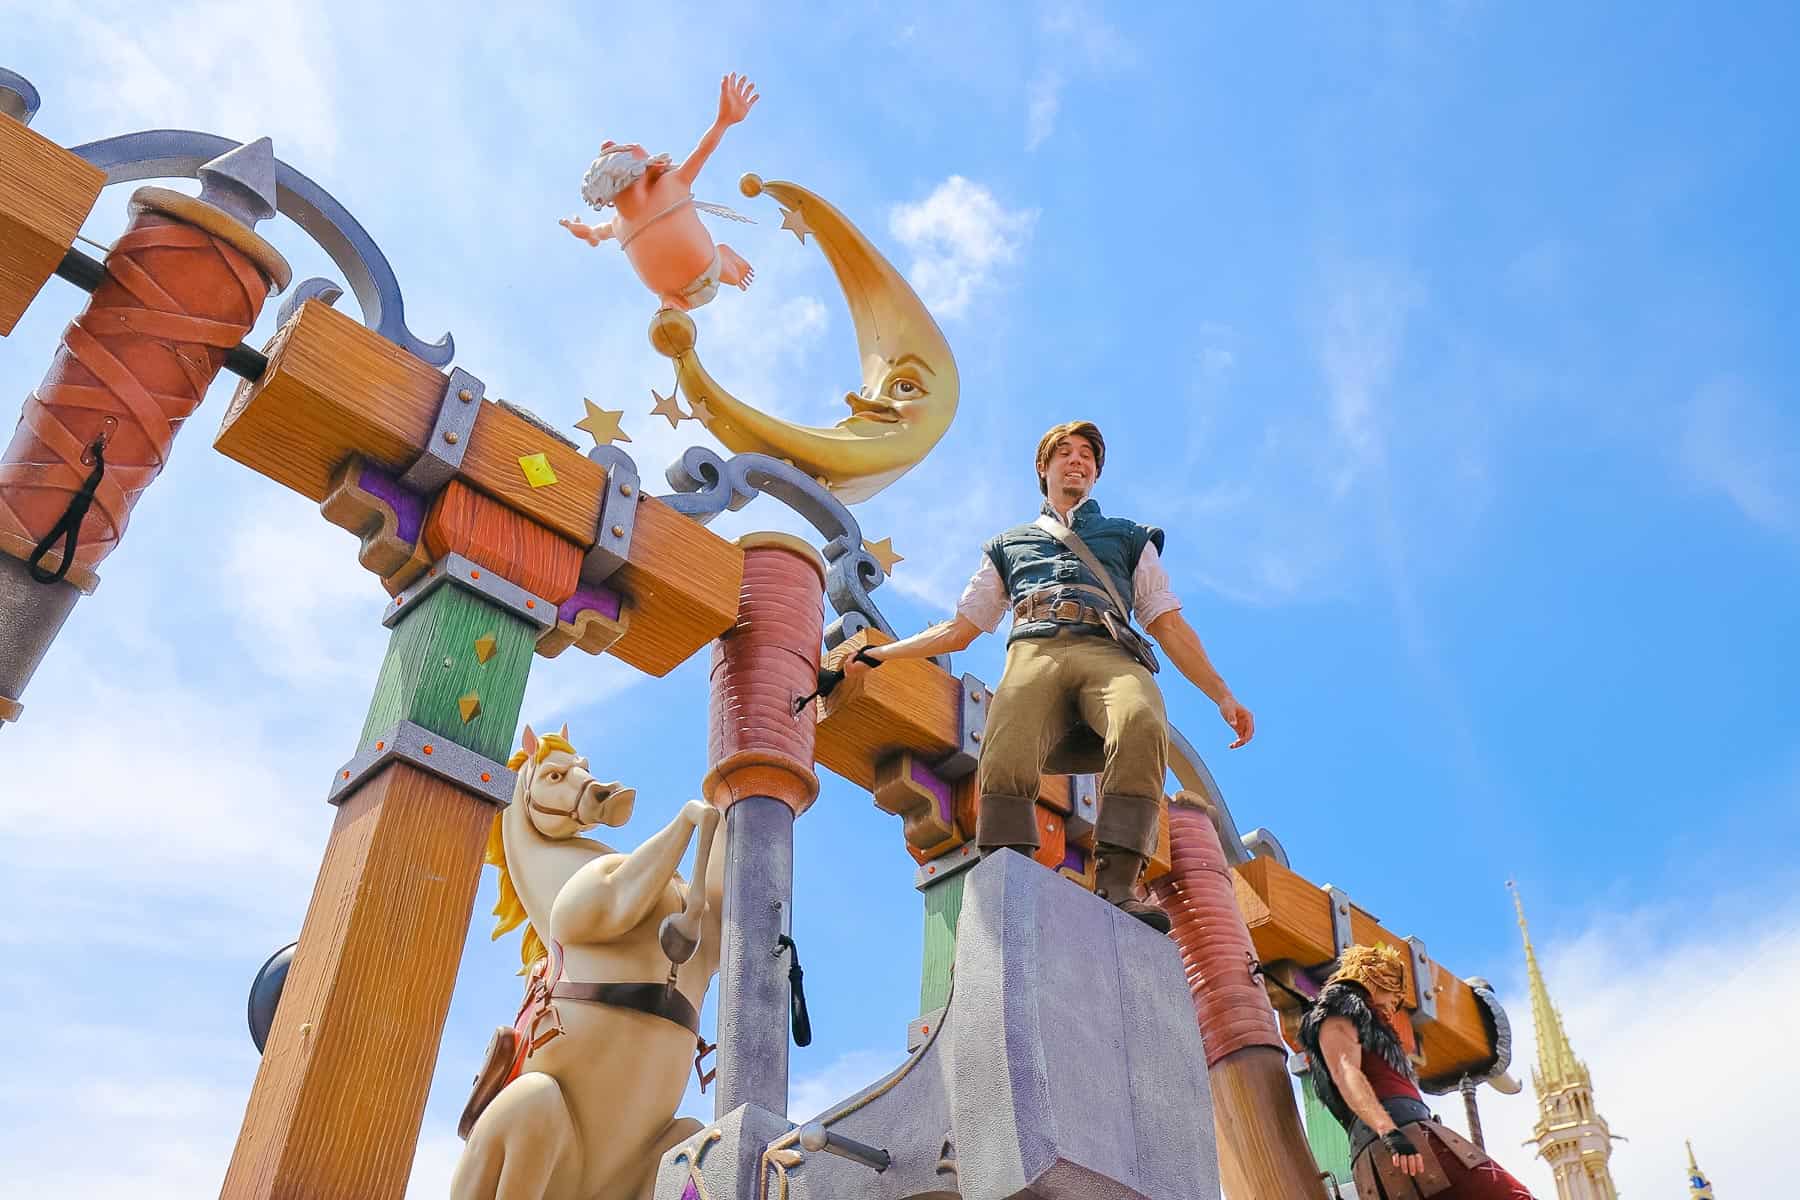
[[439, 657], [943, 908]]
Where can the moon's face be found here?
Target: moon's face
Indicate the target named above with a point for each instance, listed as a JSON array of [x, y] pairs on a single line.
[[895, 391]]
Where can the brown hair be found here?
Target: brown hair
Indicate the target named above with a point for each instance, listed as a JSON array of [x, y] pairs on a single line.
[[1058, 433]]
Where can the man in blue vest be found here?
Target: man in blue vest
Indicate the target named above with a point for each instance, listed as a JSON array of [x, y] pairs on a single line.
[[1075, 698]]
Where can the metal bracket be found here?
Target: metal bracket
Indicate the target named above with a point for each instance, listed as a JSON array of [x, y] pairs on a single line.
[[618, 515], [943, 866], [1340, 920], [1424, 981], [961, 762], [439, 756], [444, 449], [455, 569], [1084, 807], [1263, 844], [18, 99]]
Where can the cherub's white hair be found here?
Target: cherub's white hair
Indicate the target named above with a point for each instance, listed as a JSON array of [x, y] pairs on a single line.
[[614, 171]]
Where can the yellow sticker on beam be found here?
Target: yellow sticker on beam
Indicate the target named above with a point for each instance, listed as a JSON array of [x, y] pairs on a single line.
[[537, 470]]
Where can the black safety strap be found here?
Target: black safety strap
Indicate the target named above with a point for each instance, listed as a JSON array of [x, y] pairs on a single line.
[[830, 677], [69, 527]]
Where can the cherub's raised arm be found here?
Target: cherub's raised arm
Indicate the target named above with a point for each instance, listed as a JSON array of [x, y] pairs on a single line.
[[593, 235], [736, 97]]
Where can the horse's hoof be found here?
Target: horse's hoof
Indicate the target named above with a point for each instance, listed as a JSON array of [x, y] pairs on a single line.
[[676, 944]]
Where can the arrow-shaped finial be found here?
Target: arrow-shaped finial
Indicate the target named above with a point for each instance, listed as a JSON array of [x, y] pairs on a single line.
[[242, 181]]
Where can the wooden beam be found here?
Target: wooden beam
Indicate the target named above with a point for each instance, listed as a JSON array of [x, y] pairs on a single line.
[[681, 582], [907, 705], [338, 1099], [45, 194], [334, 388], [1289, 919]]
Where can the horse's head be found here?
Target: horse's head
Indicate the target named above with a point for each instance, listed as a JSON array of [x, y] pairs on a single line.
[[561, 796]]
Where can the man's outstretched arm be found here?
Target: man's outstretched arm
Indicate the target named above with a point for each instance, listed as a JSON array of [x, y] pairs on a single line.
[[736, 96], [1343, 1058], [1182, 644], [946, 637]]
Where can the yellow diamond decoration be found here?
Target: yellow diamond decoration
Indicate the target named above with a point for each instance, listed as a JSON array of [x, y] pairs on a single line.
[[537, 470], [470, 707], [485, 647]]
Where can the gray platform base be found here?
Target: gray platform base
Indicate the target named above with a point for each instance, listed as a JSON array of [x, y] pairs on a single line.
[[1067, 1066]]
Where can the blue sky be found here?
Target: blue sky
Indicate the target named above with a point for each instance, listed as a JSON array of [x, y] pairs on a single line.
[[1448, 342]]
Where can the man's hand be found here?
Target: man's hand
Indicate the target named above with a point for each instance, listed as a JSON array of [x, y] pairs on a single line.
[[858, 664], [1239, 718], [736, 97], [1406, 1155]]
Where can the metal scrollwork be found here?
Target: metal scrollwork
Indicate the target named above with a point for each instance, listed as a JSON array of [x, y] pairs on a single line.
[[707, 485], [180, 153]]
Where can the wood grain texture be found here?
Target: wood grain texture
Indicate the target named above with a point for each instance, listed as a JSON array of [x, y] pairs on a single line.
[[431, 665], [353, 508], [570, 506], [504, 540], [45, 194], [682, 581], [943, 908], [1263, 1150], [332, 389], [907, 705], [1289, 918], [335, 1109]]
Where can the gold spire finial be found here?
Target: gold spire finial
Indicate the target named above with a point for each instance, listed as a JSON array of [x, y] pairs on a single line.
[[1557, 1064], [1699, 1188]]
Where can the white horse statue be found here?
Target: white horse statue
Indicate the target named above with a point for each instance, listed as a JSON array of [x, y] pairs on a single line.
[[599, 1059]]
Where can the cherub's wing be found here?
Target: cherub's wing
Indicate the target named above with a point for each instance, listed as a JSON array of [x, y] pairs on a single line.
[[719, 210]]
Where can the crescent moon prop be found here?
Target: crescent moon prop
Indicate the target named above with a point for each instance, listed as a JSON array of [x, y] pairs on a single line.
[[910, 385]]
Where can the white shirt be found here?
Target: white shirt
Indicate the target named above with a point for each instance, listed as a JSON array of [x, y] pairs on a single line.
[[984, 600]]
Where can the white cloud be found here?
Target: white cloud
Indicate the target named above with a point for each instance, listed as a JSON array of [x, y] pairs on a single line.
[[1074, 41], [239, 70], [811, 1094], [1678, 1013], [1732, 441], [1360, 343], [960, 236]]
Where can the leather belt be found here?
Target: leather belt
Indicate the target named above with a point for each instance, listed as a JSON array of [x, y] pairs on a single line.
[[1040, 607], [657, 999], [1403, 1109]]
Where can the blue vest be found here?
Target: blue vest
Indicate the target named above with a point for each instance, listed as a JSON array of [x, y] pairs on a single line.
[[1030, 560]]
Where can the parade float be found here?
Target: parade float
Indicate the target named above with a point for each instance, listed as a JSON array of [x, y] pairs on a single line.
[[1060, 1049]]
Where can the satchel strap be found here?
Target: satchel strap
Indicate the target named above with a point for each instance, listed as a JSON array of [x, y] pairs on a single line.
[[1072, 540]]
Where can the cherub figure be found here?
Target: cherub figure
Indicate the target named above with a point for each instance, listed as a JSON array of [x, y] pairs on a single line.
[[658, 223]]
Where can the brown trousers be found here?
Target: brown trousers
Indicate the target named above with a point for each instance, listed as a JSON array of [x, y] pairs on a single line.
[[1049, 685]]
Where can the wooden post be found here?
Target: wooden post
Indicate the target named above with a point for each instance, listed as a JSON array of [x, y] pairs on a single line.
[[762, 777], [337, 1103]]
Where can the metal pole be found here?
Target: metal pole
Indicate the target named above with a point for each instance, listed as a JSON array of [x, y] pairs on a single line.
[[1468, 1086]]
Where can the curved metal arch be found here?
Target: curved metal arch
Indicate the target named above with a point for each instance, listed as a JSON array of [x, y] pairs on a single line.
[[707, 485], [180, 153]]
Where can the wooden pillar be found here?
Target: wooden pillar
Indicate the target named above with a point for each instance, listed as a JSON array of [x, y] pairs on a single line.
[[337, 1103], [762, 777]]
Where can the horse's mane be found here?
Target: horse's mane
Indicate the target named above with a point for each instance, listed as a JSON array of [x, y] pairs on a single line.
[[509, 908]]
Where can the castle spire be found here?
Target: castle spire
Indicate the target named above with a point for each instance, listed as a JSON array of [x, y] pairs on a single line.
[[1557, 1065], [1698, 1187], [1570, 1134]]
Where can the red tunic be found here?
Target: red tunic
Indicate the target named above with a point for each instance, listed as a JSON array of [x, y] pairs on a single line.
[[1485, 1182]]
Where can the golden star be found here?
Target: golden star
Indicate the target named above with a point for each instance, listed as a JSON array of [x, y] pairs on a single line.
[[791, 218], [602, 425], [884, 554], [701, 412], [668, 406]]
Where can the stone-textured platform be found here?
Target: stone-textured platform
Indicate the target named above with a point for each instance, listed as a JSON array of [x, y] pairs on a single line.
[[1068, 1066]]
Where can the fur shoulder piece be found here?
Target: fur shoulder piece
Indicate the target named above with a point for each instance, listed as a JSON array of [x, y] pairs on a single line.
[[1372, 1033]]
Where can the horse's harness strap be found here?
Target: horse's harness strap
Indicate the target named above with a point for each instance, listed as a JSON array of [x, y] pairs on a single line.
[[657, 999]]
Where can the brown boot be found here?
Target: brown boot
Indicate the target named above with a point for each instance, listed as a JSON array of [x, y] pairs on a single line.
[[1115, 879]]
